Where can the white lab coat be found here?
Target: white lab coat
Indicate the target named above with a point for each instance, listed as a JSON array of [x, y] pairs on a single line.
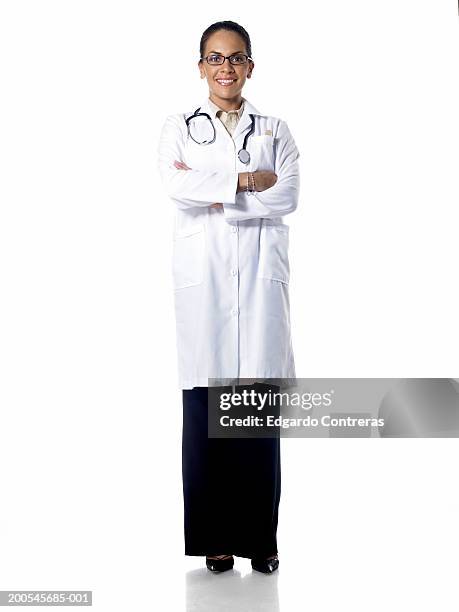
[[230, 266]]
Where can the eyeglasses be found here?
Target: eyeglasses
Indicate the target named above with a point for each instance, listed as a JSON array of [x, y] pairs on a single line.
[[238, 59]]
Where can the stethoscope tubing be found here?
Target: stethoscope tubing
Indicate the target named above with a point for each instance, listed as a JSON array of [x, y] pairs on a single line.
[[243, 154]]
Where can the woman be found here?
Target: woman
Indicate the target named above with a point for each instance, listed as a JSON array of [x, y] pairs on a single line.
[[232, 173]]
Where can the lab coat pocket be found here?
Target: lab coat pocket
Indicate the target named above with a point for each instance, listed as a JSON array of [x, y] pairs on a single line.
[[274, 263], [262, 153], [188, 257]]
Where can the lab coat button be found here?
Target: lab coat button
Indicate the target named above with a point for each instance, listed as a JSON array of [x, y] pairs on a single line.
[[235, 311], [234, 229], [234, 272]]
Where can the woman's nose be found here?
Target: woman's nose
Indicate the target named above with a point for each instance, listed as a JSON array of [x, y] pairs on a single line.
[[228, 64]]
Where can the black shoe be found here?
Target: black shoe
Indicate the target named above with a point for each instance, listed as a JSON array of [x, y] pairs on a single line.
[[220, 565], [267, 566]]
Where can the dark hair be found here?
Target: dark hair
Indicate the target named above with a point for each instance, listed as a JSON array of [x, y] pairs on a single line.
[[232, 26]]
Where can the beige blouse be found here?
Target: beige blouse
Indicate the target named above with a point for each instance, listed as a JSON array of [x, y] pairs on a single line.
[[228, 118]]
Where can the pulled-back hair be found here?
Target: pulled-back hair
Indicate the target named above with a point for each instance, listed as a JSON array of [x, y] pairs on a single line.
[[232, 26]]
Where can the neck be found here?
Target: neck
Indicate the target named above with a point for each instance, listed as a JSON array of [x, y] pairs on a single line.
[[227, 104]]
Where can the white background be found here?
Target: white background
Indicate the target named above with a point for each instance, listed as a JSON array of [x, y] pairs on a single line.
[[90, 419]]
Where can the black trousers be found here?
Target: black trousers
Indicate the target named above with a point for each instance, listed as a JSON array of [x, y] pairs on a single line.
[[231, 487]]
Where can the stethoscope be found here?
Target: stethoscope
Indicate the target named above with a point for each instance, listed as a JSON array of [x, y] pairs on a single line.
[[243, 154]]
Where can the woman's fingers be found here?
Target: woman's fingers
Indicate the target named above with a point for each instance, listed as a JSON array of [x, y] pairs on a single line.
[[180, 165], [216, 205]]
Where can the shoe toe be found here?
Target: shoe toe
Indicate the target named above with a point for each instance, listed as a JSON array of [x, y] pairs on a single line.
[[267, 566], [219, 565]]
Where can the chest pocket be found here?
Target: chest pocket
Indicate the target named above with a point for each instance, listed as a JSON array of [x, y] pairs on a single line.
[[273, 263], [261, 152], [188, 257]]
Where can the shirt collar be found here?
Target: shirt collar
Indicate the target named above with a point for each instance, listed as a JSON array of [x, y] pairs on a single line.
[[244, 121], [246, 107], [215, 109]]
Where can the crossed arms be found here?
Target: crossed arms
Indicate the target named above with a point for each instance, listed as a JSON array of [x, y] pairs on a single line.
[[276, 195]]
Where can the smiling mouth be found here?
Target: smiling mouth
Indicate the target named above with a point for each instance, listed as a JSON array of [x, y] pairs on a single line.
[[225, 82]]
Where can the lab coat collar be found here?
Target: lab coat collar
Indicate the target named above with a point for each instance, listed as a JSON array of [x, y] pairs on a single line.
[[244, 122]]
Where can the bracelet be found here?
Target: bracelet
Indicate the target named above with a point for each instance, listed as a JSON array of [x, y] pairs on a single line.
[[250, 187]]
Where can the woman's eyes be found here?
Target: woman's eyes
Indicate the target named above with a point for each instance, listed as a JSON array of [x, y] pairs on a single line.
[[219, 59]]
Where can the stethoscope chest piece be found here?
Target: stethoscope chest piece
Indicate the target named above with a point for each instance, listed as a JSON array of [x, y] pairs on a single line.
[[244, 156]]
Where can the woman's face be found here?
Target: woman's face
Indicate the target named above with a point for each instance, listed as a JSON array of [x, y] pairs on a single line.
[[225, 43]]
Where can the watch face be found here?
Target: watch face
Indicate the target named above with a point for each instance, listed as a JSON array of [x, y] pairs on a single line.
[[244, 156]]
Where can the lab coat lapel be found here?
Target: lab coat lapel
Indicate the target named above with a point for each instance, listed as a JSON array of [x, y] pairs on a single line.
[[245, 121]]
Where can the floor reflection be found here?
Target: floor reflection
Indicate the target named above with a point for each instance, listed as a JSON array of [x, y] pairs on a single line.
[[231, 591]]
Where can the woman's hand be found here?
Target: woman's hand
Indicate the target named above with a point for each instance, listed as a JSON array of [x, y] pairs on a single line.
[[180, 165], [263, 180]]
